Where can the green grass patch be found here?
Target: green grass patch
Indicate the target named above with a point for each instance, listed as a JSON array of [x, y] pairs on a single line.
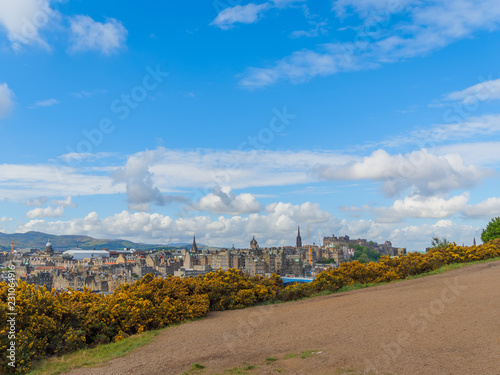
[[291, 355], [322, 293], [195, 367], [271, 360], [94, 356], [307, 354]]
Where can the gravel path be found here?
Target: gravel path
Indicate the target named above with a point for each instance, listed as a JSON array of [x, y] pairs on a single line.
[[442, 324]]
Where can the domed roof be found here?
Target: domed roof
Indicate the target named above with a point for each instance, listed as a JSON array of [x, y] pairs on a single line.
[[48, 244]]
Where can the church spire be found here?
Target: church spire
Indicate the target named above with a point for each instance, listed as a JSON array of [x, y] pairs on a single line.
[[194, 248], [299, 239]]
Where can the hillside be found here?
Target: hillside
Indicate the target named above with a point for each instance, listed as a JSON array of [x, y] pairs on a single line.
[[39, 239], [441, 324]]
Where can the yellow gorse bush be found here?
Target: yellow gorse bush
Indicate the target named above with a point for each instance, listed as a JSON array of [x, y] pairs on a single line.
[[390, 269], [53, 323]]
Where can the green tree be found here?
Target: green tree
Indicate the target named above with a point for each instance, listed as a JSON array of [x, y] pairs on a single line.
[[326, 260], [439, 243], [492, 230]]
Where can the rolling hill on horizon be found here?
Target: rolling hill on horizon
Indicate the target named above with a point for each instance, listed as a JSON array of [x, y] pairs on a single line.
[[38, 240]]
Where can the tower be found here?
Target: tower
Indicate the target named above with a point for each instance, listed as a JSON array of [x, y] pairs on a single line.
[[474, 240], [194, 248], [48, 248], [253, 244], [299, 239]]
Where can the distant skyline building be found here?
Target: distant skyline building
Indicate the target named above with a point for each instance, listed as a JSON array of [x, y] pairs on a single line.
[[299, 239]]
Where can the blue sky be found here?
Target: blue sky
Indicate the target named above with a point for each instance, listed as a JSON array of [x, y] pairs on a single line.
[[153, 121]]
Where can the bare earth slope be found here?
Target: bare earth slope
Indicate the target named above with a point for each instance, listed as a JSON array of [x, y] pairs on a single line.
[[442, 324]]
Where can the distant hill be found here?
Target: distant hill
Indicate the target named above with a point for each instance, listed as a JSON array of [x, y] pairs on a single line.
[[39, 239]]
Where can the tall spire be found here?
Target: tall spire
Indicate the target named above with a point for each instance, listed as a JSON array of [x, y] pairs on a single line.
[[194, 248], [299, 239], [474, 240]]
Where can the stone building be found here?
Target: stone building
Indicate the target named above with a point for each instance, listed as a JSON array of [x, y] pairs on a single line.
[[255, 266], [222, 260]]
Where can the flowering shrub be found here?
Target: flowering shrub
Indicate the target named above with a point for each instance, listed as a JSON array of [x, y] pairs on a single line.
[[53, 323], [390, 269]]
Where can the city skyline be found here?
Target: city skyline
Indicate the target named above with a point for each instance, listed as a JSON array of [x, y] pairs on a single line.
[[378, 120]]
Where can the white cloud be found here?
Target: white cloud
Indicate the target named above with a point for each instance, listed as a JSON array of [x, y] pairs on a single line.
[[155, 176], [73, 157], [147, 174], [431, 26], [67, 202], [318, 28], [487, 90], [286, 3], [277, 226], [6, 99], [45, 103], [208, 169], [420, 236], [24, 19], [486, 209], [223, 201], [249, 13], [459, 129], [40, 201], [21, 182], [89, 35], [417, 206], [141, 188], [45, 212], [476, 153], [4, 219], [56, 208], [299, 67], [370, 8], [427, 173]]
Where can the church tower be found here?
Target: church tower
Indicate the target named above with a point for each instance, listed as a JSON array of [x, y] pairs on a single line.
[[299, 239], [253, 244], [194, 248]]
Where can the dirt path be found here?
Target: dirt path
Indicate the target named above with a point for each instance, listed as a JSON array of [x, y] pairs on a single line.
[[442, 324]]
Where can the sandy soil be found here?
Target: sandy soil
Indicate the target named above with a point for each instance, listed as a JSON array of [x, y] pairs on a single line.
[[442, 324]]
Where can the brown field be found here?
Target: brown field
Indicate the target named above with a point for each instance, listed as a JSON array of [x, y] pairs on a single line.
[[441, 324]]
